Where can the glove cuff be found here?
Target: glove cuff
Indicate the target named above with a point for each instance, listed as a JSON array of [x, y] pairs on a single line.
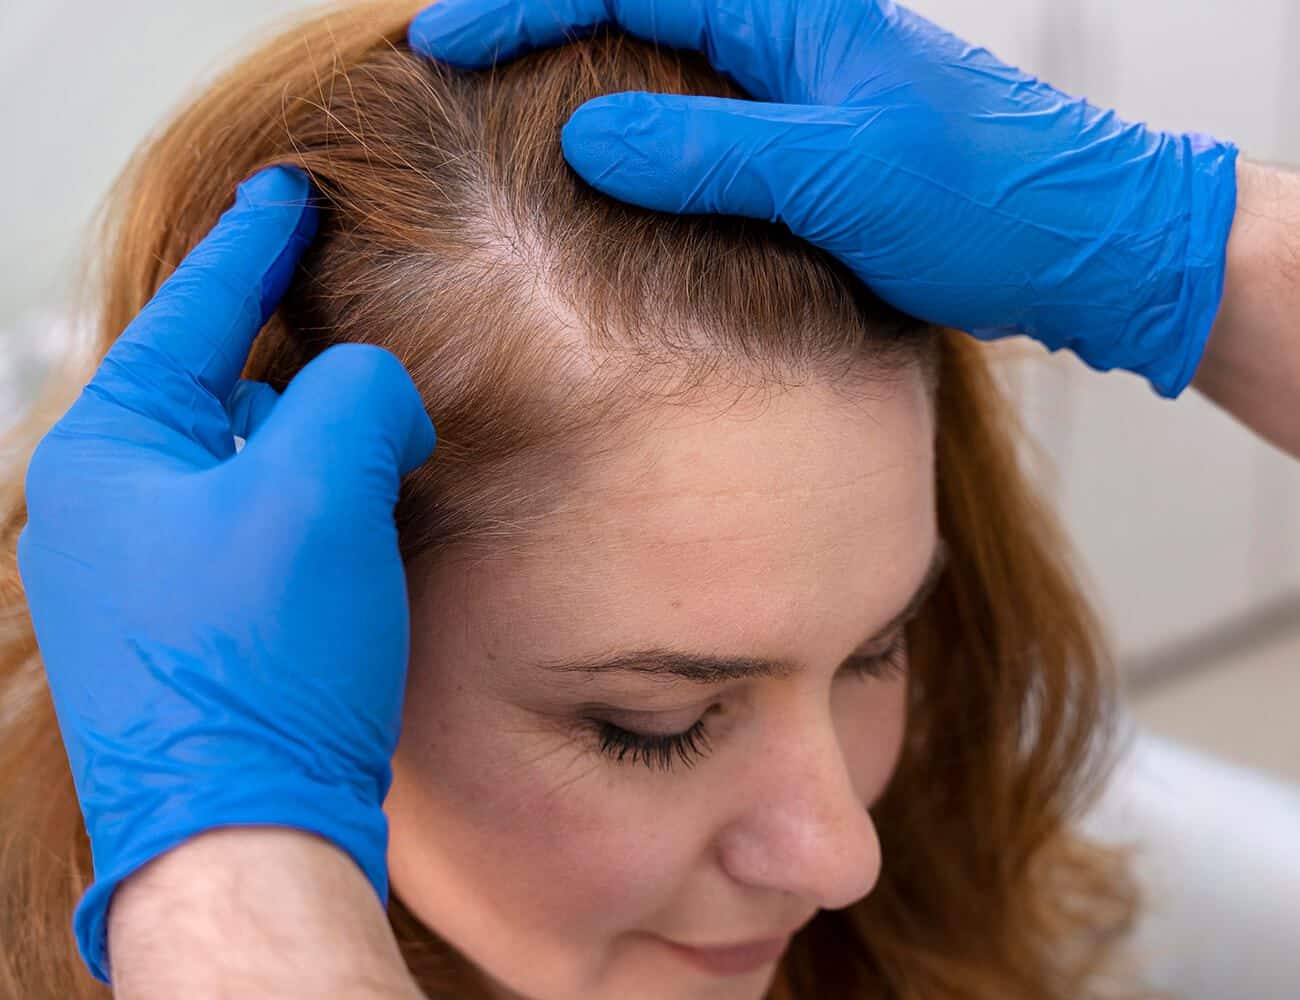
[[1211, 178]]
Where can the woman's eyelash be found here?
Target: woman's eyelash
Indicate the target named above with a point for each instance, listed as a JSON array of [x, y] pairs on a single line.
[[891, 662], [655, 750], [664, 751]]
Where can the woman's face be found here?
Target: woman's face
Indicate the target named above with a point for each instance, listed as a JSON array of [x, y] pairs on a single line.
[[734, 577]]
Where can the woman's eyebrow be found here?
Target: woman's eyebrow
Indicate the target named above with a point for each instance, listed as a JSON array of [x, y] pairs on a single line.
[[709, 669]]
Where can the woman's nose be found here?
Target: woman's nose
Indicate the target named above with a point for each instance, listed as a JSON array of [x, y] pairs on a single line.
[[804, 829]]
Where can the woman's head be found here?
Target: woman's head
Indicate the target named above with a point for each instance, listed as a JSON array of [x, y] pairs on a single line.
[[690, 475]]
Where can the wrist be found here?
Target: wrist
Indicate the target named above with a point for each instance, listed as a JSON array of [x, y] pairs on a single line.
[[1263, 249], [1252, 365], [347, 815], [255, 912]]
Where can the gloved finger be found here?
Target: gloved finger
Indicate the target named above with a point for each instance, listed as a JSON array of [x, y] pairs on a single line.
[[197, 331], [351, 417], [249, 406], [476, 33], [696, 155]]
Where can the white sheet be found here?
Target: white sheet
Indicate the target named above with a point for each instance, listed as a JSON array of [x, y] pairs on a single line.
[[1219, 859]]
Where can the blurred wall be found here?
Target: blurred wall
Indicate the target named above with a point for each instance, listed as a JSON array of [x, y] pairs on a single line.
[[1189, 527], [81, 84]]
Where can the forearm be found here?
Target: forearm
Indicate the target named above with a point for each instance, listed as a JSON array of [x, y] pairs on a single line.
[[254, 913], [1251, 365]]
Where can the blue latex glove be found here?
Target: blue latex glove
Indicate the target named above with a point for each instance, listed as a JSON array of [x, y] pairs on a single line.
[[225, 636], [958, 188]]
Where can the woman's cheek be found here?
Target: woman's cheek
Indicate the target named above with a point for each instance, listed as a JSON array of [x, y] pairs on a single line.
[[603, 839], [579, 844]]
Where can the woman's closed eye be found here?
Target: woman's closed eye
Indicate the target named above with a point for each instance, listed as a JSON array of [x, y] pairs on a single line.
[[664, 751]]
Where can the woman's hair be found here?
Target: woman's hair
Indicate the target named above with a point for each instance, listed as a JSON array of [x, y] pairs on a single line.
[[533, 312]]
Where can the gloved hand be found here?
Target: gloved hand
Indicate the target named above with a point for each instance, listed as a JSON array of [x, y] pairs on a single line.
[[225, 635], [960, 189]]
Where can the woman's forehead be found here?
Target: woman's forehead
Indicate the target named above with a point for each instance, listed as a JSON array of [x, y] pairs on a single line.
[[757, 522], [797, 457]]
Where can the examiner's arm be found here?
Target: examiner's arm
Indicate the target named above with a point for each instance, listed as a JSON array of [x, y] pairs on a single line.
[[225, 634], [1252, 361], [265, 913]]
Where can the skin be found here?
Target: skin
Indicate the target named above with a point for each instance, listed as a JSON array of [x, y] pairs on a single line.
[[254, 912], [1251, 366], [791, 529]]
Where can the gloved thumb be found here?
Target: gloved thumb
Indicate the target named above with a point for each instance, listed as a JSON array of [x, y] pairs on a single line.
[[249, 407], [697, 155], [351, 416]]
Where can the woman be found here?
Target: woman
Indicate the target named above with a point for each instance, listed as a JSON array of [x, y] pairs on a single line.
[[733, 615]]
